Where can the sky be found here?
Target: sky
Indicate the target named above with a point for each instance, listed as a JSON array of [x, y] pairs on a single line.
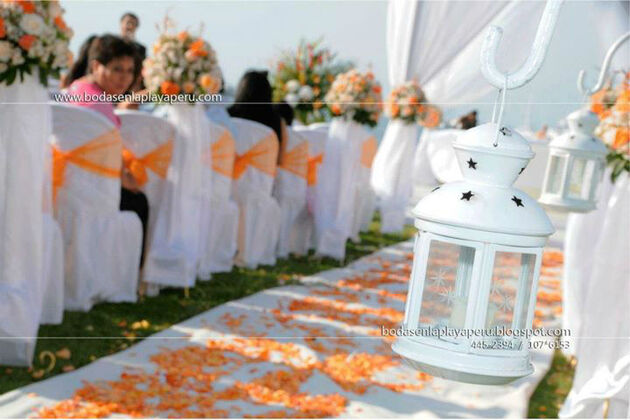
[[249, 34]]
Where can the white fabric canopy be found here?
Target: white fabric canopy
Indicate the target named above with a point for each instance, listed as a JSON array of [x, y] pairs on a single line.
[[603, 336], [422, 38]]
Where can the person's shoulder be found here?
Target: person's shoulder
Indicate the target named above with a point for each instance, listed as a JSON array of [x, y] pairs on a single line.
[[142, 50]]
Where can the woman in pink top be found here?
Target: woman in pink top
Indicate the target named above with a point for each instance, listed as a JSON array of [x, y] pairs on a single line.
[[112, 68]]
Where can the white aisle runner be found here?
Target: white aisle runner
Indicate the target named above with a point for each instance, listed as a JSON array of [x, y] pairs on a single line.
[[309, 350]]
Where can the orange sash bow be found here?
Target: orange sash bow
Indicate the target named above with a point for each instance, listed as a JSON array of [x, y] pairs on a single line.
[[313, 164], [101, 156], [262, 157], [223, 152], [296, 160], [368, 151], [158, 160]]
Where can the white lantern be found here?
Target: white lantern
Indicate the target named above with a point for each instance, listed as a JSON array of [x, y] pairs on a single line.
[[476, 265], [575, 166]]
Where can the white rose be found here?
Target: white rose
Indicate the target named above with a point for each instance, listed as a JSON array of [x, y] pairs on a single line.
[[17, 58], [292, 99], [306, 93], [54, 8], [293, 85], [32, 24], [6, 51]]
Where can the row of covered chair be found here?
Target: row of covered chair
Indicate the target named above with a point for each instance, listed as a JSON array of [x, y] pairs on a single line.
[[217, 196]]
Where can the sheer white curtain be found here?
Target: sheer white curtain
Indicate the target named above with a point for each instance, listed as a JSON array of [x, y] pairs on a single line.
[[422, 38]]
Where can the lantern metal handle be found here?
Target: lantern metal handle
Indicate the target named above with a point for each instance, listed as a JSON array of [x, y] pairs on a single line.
[[536, 56], [604, 70]]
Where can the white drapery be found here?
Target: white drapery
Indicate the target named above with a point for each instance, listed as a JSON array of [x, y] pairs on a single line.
[[603, 332], [422, 38], [184, 194], [23, 138], [337, 182]]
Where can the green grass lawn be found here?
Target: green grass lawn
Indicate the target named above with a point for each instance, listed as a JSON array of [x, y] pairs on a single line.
[[124, 324]]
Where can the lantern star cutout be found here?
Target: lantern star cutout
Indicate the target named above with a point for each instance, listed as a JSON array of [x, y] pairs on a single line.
[[448, 296], [517, 201], [467, 196], [506, 303], [438, 279], [472, 164]]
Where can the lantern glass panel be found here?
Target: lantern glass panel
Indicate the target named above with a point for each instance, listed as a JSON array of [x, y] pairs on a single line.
[[447, 281], [554, 181], [576, 178], [510, 290], [590, 180]]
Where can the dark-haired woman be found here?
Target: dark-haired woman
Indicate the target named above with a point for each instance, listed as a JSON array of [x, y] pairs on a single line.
[[80, 66], [253, 102], [111, 66]]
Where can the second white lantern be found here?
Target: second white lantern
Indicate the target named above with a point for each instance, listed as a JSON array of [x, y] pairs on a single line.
[[575, 166]]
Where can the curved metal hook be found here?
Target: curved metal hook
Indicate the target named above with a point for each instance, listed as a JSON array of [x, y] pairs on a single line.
[[604, 70], [536, 56]]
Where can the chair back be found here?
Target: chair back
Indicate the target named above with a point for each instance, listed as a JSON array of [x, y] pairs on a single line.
[[86, 163], [256, 158]]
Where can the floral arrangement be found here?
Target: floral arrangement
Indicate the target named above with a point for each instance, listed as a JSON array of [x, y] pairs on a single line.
[[181, 64], [408, 103], [33, 36], [303, 76], [356, 96], [612, 106]]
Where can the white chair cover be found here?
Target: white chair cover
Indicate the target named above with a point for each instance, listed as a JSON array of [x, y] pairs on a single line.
[[101, 244], [259, 213], [303, 234], [392, 178], [219, 232], [152, 140], [185, 195], [290, 187], [339, 174], [365, 201], [603, 344], [24, 127]]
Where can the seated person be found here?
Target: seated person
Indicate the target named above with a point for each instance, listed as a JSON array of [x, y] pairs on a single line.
[[111, 68]]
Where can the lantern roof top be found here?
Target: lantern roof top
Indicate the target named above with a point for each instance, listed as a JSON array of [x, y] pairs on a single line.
[[485, 199], [580, 135]]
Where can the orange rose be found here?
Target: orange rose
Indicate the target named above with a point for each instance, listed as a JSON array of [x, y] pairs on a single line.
[[317, 104], [61, 24], [394, 109], [376, 89], [335, 109], [597, 102], [197, 48], [182, 36], [622, 104], [3, 31], [209, 83], [26, 41], [169, 88], [27, 6], [622, 138], [189, 87]]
